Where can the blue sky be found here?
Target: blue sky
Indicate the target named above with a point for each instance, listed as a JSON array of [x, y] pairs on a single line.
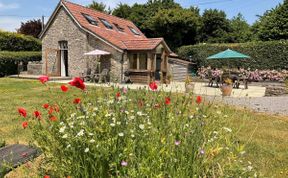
[[13, 12]]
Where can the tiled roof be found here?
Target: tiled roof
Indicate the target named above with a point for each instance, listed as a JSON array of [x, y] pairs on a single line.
[[142, 44], [123, 40]]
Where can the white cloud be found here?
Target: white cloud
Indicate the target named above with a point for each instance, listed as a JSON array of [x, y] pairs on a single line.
[[9, 6], [10, 23]]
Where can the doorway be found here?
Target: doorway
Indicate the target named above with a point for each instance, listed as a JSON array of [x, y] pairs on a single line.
[[158, 67], [64, 58]]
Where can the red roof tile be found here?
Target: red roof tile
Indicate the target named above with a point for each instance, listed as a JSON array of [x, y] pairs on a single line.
[[123, 40], [142, 44]]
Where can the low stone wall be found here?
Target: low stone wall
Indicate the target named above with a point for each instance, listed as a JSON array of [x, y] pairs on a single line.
[[34, 68], [276, 90]]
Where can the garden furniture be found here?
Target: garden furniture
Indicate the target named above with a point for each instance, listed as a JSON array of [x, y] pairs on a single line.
[[102, 76]]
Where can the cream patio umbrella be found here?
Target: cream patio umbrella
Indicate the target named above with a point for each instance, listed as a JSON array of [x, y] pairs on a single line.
[[98, 53]]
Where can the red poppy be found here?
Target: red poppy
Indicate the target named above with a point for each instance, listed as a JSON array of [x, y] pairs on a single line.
[[37, 114], [118, 94], [53, 118], [22, 112], [78, 82], [198, 99], [43, 79], [46, 176], [51, 110], [64, 88], [77, 101], [25, 124], [153, 86], [167, 101], [46, 106]]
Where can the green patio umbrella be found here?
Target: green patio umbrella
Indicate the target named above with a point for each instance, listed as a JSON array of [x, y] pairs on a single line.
[[228, 54]]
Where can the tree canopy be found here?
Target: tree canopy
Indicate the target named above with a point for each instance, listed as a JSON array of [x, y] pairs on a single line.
[[31, 27], [184, 26], [273, 25], [99, 6]]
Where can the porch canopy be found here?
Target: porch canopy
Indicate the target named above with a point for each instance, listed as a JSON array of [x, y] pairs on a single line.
[[97, 52], [229, 54]]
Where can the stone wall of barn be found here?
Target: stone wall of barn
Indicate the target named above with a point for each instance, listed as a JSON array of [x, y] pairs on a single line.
[[63, 28]]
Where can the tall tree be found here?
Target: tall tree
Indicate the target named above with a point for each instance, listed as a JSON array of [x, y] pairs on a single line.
[[215, 26], [142, 13], [122, 11], [240, 30], [177, 26], [31, 27], [97, 6], [273, 25]]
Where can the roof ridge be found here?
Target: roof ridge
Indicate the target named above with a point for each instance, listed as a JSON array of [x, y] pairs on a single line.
[[157, 38], [66, 1], [146, 39]]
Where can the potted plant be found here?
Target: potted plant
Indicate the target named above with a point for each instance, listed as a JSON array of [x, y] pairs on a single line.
[[189, 86], [227, 87]]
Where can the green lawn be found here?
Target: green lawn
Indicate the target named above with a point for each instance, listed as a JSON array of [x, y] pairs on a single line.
[[265, 136]]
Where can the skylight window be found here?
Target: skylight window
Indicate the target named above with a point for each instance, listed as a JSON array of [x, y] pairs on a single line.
[[106, 23], [119, 28], [134, 31], [90, 19]]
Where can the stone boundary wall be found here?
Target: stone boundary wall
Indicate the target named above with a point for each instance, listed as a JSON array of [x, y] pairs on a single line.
[[276, 90], [34, 68]]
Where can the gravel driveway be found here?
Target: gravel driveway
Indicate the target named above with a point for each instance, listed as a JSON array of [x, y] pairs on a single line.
[[273, 105]]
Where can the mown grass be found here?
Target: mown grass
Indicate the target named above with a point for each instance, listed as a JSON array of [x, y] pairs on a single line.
[[265, 136]]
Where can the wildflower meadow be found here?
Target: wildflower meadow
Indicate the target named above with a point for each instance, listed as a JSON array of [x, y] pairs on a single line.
[[132, 133]]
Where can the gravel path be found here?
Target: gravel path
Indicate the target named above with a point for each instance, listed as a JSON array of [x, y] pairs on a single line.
[[272, 105]]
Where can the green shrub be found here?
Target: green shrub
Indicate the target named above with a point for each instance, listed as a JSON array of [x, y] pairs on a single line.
[[264, 55], [139, 133], [9, 61], [2, 143], [18, 42]]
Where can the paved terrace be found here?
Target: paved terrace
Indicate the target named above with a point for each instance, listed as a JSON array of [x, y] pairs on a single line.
[[252, 98], [199, 89]]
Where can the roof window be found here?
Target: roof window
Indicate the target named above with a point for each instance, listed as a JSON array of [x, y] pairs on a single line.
[[134, 31], [121, 29], [106, 23], [90, 19]]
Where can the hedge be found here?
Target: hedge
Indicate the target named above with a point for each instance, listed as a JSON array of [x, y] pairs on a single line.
[[9, 61], [264, 55], [17, 42]]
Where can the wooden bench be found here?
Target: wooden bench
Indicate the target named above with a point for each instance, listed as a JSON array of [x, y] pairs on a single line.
[[15, 155]]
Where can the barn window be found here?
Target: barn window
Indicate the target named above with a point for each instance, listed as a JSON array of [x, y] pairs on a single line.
[[119, 28], [143, 61], [90, 19], [133, 61], [134, 31], [106, 23]]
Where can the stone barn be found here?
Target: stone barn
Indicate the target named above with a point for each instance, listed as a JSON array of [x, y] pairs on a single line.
[[74, 30]]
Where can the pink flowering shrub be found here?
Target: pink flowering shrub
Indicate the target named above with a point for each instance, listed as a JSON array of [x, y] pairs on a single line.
[[143, 133], [256, 75]]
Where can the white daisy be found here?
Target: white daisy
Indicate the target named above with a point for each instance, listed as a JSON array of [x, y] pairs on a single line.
[[81, 133], [92, 141], [86, 150], [65, 136], [141, 126]]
